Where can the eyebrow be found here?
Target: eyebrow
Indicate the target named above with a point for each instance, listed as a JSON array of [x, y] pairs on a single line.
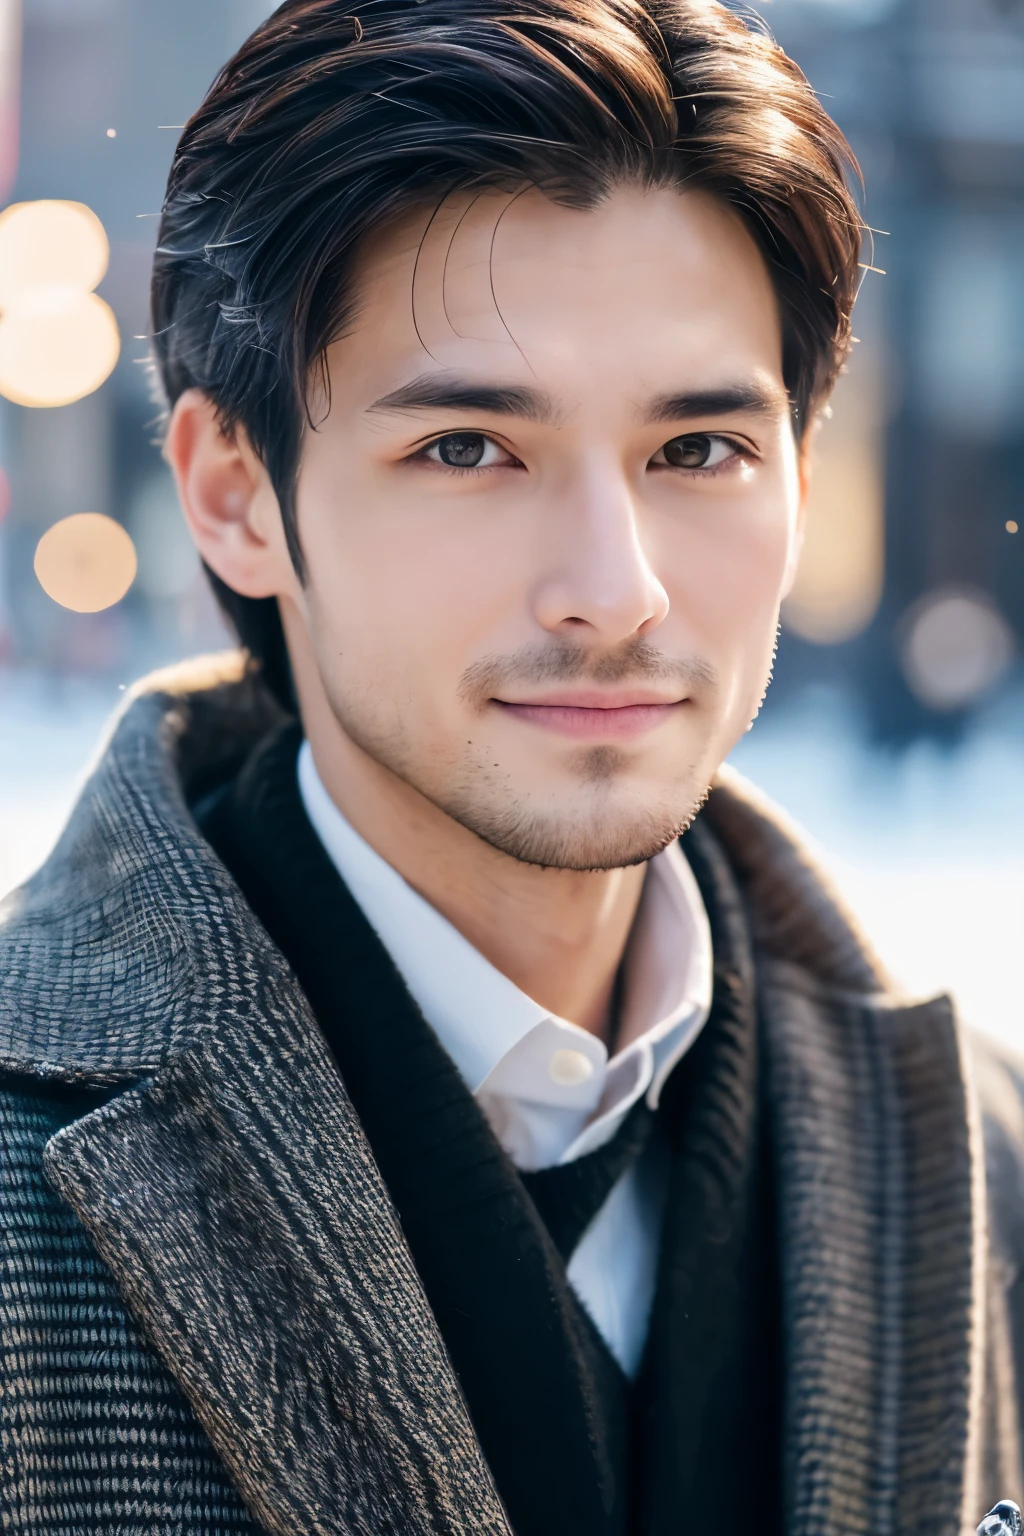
[[730, 400], [450, 392], [453, 392]]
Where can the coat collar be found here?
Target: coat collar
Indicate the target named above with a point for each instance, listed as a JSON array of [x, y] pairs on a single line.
[[105, 952], [228, 1186], [881, 1193], [231, 1191]]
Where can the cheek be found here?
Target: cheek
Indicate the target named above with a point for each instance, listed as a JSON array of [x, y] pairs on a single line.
[[729, 581], [407, 600]]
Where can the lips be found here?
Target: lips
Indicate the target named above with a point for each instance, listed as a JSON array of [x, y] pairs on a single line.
[[581, 717]]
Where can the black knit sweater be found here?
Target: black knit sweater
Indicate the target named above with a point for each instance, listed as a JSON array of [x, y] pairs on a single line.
[[573, 1446]]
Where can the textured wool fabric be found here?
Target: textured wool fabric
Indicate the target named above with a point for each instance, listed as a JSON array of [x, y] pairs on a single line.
[[219, 1223], [228, 1188], [97, 1438]]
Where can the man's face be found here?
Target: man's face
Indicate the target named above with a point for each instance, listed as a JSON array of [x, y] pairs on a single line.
[[549, 515]]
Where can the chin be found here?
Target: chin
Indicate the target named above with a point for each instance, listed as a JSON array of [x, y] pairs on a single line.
[[599, 840]]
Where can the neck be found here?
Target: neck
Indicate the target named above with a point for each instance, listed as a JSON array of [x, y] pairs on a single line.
[[558, 934]]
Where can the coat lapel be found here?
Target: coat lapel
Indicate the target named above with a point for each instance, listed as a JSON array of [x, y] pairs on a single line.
[[881, 1197], [236, 1202], [226, 1182], [880, 1214], [945, 1248]]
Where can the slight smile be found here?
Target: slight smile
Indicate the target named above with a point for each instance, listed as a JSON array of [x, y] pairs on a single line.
[[594, 717]]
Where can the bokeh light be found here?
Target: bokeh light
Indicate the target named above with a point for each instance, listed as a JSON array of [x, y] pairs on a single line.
[[57, 344], [956, 648], [86, 562], [58, 340], [50, 243]]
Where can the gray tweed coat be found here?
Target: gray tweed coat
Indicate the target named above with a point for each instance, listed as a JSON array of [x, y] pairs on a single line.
[[210, 1320]]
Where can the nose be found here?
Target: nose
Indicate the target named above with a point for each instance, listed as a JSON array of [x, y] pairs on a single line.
[[598, 575]]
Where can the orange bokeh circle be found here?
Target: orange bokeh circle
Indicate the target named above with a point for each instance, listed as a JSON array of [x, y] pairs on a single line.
[[86, 562]]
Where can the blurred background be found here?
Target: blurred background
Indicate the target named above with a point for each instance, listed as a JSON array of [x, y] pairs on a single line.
[[894, 729]]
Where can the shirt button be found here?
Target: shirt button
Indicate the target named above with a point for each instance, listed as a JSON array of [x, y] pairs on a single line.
[[569, 1068]]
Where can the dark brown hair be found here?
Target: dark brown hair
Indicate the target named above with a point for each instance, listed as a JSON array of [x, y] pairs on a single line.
[[337, 116]]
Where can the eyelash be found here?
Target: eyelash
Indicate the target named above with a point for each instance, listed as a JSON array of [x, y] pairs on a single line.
[[473, 469], [739, 448]]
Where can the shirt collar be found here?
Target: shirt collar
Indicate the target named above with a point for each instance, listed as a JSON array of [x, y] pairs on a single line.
[[478, 1014]]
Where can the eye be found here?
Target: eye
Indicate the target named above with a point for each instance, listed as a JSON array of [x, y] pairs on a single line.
[[697, 450], [466, 450]]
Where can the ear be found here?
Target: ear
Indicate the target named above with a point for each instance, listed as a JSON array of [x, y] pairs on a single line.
[[229, 503], [796, 542]]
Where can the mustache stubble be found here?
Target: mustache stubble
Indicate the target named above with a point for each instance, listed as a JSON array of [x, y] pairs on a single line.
[[567, 661]]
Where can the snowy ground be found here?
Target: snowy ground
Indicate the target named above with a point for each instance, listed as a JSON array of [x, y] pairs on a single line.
[[928, 847]]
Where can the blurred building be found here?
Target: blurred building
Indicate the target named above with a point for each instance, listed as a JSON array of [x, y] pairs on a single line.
[[912, 588], [105, 87], [929, 424]]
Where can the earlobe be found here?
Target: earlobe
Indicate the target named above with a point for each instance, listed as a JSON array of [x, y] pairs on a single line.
[[227, 499]]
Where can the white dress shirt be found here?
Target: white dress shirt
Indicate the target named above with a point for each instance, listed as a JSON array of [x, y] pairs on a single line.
[[548, 1087]]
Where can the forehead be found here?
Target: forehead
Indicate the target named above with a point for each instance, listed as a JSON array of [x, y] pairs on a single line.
[[648, 289]]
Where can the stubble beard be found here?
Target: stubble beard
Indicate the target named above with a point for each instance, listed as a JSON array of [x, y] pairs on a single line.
[[607, 826], [604, 829], [596, 820]]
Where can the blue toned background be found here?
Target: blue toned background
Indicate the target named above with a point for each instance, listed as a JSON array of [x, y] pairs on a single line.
[[895, 727]]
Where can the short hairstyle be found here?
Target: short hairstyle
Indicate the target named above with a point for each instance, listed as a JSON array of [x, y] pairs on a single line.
[[337, 116]]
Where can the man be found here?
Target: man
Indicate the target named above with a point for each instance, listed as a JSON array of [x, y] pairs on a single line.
[[406, 1131]]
